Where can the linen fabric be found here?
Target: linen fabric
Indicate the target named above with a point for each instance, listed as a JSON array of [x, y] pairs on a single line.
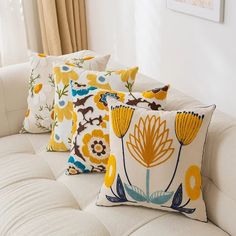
[[155, 159]]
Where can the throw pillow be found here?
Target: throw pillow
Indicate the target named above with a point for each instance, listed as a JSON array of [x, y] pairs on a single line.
[[90, 143], [155, 159], [63, 109], [39, 115]]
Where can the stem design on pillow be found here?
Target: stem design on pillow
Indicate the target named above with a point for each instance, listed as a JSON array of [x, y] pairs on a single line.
[[63, 91], [121, 118], [150, 146], [187, 125], [119, 195], [159, 94], [78, 62], [193, 191], [32, 81], [128, 77], [51, 80]]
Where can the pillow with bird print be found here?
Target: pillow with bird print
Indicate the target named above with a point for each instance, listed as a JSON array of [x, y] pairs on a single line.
[[155, 159], [90, 142], [63, 109], [39, 115]]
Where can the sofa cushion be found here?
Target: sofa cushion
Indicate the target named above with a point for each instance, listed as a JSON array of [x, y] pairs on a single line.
[[37, 198]]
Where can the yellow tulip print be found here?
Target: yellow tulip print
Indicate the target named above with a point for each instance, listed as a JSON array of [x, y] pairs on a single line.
[[187, 125], [121, 117]]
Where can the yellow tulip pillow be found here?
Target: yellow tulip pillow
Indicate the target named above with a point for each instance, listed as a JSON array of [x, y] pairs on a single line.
[[63, 109], [39, 115], [155, 159], [90, 143]]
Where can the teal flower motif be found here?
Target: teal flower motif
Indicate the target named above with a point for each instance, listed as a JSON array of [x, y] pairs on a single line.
[[76, 167], [82, 91]]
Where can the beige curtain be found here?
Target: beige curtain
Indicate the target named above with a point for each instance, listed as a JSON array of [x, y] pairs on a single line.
[[63, 26]]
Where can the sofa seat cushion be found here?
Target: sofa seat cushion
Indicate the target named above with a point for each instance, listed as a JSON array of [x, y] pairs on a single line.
[[37, 198]]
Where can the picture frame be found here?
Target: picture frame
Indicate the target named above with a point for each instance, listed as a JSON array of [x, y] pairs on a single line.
[[208, 9]]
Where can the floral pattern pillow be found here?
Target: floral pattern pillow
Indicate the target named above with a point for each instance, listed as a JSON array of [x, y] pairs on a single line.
[[63, 109], [90, 142], [155, 159], [39, 115]]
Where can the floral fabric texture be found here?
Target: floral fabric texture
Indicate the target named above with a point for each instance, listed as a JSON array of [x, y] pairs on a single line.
[[64, 116], [39, 115], [90, 146], [155, 159]]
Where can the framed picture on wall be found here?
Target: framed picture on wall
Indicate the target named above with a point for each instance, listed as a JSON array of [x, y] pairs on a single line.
[[208, 9]]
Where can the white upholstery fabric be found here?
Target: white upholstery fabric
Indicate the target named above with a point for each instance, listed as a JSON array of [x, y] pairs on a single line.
[[13, 97], [36, 198]]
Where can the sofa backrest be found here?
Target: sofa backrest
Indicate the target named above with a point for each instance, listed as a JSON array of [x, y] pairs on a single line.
[[13, 97], [219, 167]]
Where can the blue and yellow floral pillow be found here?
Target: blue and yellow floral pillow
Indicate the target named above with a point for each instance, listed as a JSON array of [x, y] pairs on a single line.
[[90, 142], [63, 109], [155, 159], [39, 115]]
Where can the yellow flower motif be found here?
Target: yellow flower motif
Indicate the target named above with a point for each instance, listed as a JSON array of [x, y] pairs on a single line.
[[37, 88], [121, 117], [159, 94], [100, 98], [127, 75], [96, 147], [27, 113], [187, 125], [42, 55], [88, 58], [74, 123], [149, 144], [70, 64], [56, 144], [98, 81], [63, 111], [193, 182], [110, 171], [104, 121], [52, 115], [64, 74]]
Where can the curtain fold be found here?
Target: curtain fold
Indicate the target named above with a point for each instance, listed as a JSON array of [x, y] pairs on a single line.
[[63, 26]]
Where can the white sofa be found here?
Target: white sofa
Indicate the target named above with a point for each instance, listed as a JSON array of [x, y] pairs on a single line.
[[37, 198]]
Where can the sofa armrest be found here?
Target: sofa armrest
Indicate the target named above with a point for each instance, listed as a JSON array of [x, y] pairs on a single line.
[[13, 97]]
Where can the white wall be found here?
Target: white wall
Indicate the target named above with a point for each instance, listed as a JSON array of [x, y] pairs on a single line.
[[194, 55]]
